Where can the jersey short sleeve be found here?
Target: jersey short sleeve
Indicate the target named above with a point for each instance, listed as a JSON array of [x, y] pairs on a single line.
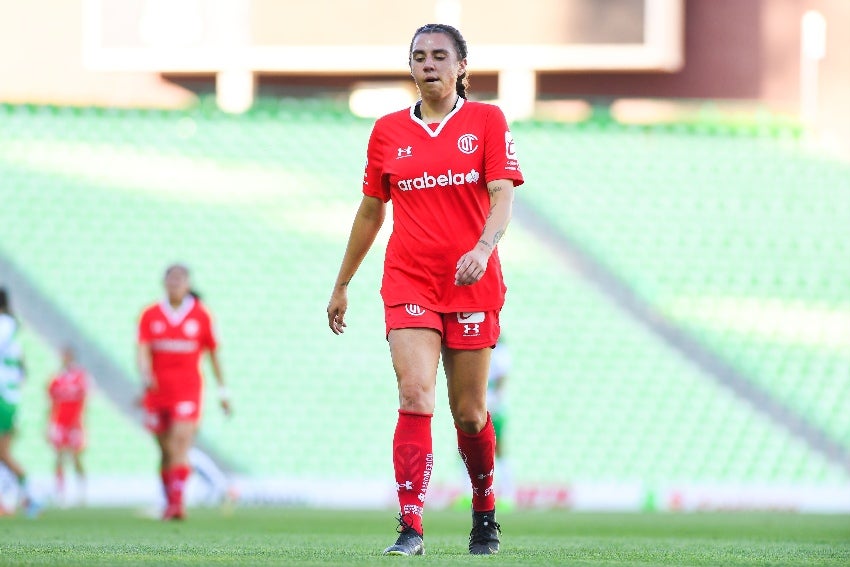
[[207, 337], [145, 332], [501, 160], [374, 182]]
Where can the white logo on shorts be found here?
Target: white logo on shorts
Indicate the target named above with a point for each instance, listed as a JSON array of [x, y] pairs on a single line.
[[414, 310], [475, 317], [472, 330], [185, 408]]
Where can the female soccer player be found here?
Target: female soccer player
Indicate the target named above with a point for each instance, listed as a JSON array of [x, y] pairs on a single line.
[[67, 392], [450, 168], [172, 336], [11, 377]]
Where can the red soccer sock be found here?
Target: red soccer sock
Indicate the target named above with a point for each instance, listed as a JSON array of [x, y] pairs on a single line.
[[478, 452], [165, 477], [174, 480], [413, 459]]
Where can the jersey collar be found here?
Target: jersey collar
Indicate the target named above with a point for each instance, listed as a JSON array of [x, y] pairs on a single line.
[[434, 133], [175, 316]]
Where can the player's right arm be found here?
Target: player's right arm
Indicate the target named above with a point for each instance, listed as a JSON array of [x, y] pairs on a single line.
[[144, 357], [367, 222]]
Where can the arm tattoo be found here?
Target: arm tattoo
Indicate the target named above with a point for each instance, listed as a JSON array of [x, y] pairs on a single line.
[[498, 237], [345, 283], [494, 190], [485, 243]]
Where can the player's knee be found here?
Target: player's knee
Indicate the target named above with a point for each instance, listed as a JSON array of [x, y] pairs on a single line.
[[470, 420], [415, 397]]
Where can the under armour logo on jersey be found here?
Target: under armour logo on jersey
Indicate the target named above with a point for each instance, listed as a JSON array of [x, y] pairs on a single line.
[[467, 143], [407, 485], [405, 152], [414, 310]]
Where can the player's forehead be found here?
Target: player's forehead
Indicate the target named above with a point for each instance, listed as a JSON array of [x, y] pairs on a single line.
[[432, 42], [176, 272]]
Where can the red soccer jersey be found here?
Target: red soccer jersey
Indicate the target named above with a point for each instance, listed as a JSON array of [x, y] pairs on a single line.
[[437, 180], [177, 338], [67, 391]]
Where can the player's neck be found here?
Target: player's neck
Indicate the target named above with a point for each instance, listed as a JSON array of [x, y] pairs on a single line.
[[436, 110]]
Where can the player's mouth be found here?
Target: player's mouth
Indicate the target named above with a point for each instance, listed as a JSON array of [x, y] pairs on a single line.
[[432, 79]]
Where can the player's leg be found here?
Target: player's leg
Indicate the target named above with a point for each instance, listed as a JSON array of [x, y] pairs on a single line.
[[79, 469], [209, 472], [59, 472], [7, 429], [415, 355], [24, 497], [466, 374], [177, 440], [160, 436], [504, 469], [466, 360], [156, 419]]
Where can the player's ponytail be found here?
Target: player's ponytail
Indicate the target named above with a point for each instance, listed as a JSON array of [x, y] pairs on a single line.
[[462, 84]]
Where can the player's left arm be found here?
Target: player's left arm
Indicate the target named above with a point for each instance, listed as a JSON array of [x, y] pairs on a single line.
[[472, 265], [223, 394]]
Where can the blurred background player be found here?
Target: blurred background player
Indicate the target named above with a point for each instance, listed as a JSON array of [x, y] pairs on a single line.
[[217, 487], [173, 334], [12, 375], [67, 392]]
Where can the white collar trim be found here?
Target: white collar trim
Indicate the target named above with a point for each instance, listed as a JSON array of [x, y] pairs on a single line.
[[435, 133], [175, 316]]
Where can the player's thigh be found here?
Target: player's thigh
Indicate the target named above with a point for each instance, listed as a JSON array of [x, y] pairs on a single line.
[[415, 355], [466, 380], [180, 437]]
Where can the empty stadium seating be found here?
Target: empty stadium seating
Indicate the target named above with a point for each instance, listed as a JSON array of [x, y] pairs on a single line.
[[696, 219]]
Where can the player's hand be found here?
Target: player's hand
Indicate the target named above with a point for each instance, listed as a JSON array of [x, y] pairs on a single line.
[[140, 399], [336, 310], [226, 406], [472, 265]]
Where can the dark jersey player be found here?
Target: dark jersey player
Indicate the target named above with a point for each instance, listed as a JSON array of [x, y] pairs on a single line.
[[450, 168]]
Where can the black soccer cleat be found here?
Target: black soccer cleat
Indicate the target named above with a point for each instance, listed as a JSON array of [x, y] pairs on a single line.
[[484, 537], [409, 541]]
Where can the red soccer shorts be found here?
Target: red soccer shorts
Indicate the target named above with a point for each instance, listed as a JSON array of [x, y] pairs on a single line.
[[159, 416], [66, 437], [462, 331]]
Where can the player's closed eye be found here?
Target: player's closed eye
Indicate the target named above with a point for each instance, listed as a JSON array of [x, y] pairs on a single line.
[[420, 58]]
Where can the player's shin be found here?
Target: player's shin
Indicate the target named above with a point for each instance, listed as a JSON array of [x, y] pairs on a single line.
[[413, 460], [478, 452]]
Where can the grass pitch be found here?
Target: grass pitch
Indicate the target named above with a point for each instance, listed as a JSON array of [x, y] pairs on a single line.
[[266, 536]]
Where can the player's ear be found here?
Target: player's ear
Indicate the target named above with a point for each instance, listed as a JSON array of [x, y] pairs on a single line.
[[461, 67]]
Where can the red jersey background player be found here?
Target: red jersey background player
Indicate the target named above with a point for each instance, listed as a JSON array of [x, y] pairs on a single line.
[[67, 391], [450, 167], [173, 334]]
